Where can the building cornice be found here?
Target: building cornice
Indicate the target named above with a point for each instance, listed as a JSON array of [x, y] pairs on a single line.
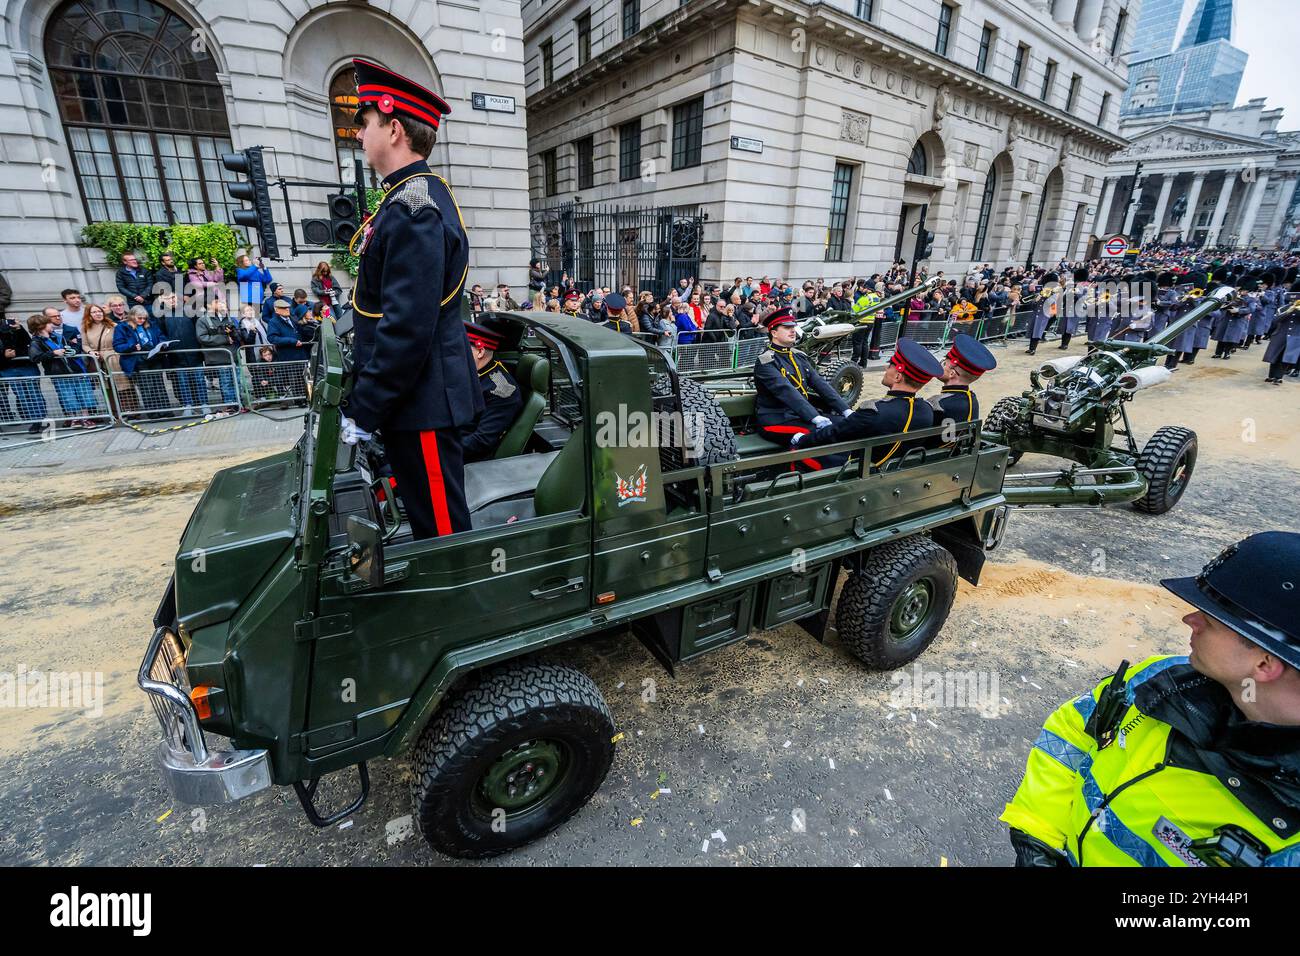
[[827, 23]]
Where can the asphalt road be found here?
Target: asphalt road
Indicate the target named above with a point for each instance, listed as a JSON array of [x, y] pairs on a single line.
[[776, 750]]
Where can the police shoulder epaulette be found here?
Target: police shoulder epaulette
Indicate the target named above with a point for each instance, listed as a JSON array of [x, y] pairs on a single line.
[[502, 386], [767, 356], [414, 194]]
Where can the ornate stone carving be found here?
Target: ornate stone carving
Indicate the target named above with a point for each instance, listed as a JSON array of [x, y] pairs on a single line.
[[854, 127], [970, 155], [942, 105]]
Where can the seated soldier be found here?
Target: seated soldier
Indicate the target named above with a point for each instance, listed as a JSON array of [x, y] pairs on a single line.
[[501, 397], [966, 361], [792, 398], [899, 412]]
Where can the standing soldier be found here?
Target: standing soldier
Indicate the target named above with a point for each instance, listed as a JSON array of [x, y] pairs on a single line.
[[1049, 303], [966, 361], [1283, 342], [1232, 322], [792, 398], [1081, 304], [1183, 761], [1270, 297], [414, 378]]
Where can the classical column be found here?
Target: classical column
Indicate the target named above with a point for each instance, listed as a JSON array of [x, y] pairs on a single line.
[[1221, 210], [1158, 220], [1285, 195], [1251, 212], [1134, 200], [1189, 216], [1103, 207], [1089, 18], [1063, 12]]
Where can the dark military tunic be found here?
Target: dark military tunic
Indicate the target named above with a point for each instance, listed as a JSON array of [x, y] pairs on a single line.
[[898, 412], [790, 390], [502, 401], [956, 402], [412, 364]]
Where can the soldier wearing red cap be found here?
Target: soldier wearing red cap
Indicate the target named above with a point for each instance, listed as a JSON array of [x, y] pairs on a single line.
[[413, 375], [966, 361], [792, 397], [502, 399], [898, 413]]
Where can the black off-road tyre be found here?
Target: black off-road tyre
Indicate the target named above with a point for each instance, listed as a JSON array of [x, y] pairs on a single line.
[[708, 430], [1166, 462], [893, 578], [511, 710], [1002, 416], [846, 377]]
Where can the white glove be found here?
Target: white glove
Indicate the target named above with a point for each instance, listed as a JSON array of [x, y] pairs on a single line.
[[821, 421], [352, 433], [794, 439]]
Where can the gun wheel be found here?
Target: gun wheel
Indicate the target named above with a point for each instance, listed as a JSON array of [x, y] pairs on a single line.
[[1167, 461], [509, 758], [846, 378], [893, 608]]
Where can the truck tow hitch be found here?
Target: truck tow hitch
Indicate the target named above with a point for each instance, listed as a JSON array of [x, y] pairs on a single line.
[[307, 794]]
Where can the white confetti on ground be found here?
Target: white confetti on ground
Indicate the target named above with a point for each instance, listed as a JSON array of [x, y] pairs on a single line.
[[621, 684], [931, 723], [888, 795], [891, 715], [704, 847], [1005, 701], [785, 745], [1032, 684], [831, 761], [913, 718], [345, 824], [719, 836], [701, 728], [402, 828], [823, 680], [800, 684], [1024, 679]]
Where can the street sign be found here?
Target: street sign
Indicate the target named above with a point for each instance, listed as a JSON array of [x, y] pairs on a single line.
[[745, 144], [1114, 247], [492, 103]]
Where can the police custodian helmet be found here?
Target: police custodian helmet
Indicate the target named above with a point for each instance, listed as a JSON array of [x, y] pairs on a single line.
[[1253, 587]]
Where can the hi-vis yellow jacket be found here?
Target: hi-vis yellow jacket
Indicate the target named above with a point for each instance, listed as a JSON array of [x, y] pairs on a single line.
[[864, 308], [1179, 767]]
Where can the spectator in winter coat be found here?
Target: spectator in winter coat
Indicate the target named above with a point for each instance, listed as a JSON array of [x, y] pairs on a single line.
[[324, 288], [253, 279], [284, 334], [167, 278], [134, 281]]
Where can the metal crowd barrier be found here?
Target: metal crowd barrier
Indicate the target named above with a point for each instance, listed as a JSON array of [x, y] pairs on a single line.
[[167, 387]]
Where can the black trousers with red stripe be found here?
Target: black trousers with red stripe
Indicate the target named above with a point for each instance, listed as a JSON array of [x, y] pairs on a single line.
[[781, 434], [430, 471]]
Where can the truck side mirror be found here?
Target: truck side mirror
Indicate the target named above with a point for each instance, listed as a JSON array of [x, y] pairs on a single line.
[[366, 551]]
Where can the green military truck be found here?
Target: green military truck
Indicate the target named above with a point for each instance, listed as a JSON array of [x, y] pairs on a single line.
[[305, 632]]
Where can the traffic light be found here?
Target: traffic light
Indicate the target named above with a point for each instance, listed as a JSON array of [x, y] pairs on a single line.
[[343, 217], [259, 218], [924, 244]]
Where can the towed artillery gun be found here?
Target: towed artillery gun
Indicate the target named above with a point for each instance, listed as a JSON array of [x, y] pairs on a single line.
[[1076, 409]]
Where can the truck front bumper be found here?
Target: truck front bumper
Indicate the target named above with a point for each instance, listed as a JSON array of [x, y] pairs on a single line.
[[194, 774]]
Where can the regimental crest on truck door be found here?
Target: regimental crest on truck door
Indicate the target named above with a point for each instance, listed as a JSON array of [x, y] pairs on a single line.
[[630, 489]]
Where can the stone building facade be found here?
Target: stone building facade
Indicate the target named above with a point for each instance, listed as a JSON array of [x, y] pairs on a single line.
[[1219, 176], [116, 109], [814, 135]]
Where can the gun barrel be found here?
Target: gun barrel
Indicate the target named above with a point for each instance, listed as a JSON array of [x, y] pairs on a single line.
[[1211, 302], [897, 298]]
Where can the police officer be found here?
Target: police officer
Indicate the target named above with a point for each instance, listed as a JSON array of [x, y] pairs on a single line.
[[414, 377], [792, 398], [864, 314], [1183, 761], [900, 411], [966, 361], [502, 399]]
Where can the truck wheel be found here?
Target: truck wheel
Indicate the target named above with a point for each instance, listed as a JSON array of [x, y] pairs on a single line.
[[1166, 462], [890, 610], [510, 758], [708, 430], [846, 377]]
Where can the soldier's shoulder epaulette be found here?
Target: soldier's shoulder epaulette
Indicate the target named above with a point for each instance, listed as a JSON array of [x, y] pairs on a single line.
[[766, 357], [502, 387], [936, 402], [868, 406], [414, 195]]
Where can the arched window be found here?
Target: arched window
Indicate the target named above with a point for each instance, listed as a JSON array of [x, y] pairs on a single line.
[[917, 164], [986, 213], [144, 114], [343, 106]]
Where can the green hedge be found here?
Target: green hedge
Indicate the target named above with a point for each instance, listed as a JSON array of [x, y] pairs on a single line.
[[207, 241]]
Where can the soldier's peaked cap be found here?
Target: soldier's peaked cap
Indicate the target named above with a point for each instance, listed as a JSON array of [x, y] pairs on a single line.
[[1254, 588], [391, 93], [482, 336], [970, 355], [915, 361], [780, 317]]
